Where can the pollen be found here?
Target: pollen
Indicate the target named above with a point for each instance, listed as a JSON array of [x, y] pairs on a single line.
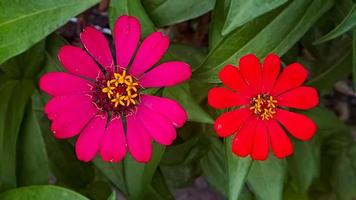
[[118, 92], [264, 106]]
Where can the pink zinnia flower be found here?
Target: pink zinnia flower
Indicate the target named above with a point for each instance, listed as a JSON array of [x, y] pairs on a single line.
[[95, 100]]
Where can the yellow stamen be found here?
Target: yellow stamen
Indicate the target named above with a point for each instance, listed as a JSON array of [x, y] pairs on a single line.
[[109, 89], [264, 106], [118, 100], [130, 98]]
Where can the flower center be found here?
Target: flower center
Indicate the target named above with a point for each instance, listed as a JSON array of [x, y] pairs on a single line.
[[119, 93], [264, 106]]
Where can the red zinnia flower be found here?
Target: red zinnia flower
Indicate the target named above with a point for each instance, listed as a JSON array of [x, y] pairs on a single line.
[[86, 95], [261, 93]]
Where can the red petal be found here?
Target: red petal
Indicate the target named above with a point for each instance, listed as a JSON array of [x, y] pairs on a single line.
[[227, 123], [271, 67], [232, 78], [251, 71], [298, 125], [292, 76], [260, 142], [242, 142], [224, 98], [281, 144], [300, 98]]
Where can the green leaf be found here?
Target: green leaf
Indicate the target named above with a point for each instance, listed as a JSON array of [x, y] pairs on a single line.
[[24, 23], [345, 174], [113, 172], [47, 192], [240, 12], [112, 196], [237, 170], [274, 32], [159, 188], [354, 57], [266, 178], [347, 24], [305, 156], [182, 94], [214, 166], [32, 162], [339, 70], [169, 12], [138, 176], [16, 95], [133, 8]]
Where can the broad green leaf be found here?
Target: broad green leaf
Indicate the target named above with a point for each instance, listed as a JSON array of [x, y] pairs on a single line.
[[217, 23], [16, 95], [274, 32], [134, 8], [47, 192], [345, 174], [159, 188], [113, 172], [214, 166], [237, 170], [240, 12], [172, 11], [138, 176], [305, 156], [354, 56], [347, 24], [182, 94], [112, 196], [32, 162], [340, 70], [266, 178], [24, 23], [186, 152]]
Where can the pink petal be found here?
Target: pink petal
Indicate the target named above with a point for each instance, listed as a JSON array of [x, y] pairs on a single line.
[[78, 62], [166, 107], [166, 74], [138, 141], [61, 83], [156, 125], [89, 140], [62, 104], [127, 34], [69, 121], [149, 53], [97, 45], [113, 148]]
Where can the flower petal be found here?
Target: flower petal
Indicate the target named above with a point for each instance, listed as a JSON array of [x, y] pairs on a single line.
[[96, 44], [271, 68], [243, 140], [113, 148], [78, 62], [127, 34], [300, 126], [229, 122], [89, 140], [170, 109], [260, 147], [69, 121], [222, 98], [149, 53], [300, 98], [281, 144], [61, 83], [166, 74], [251, 71], [157, 126], [291, 77], [231, 77], [138, 141]]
